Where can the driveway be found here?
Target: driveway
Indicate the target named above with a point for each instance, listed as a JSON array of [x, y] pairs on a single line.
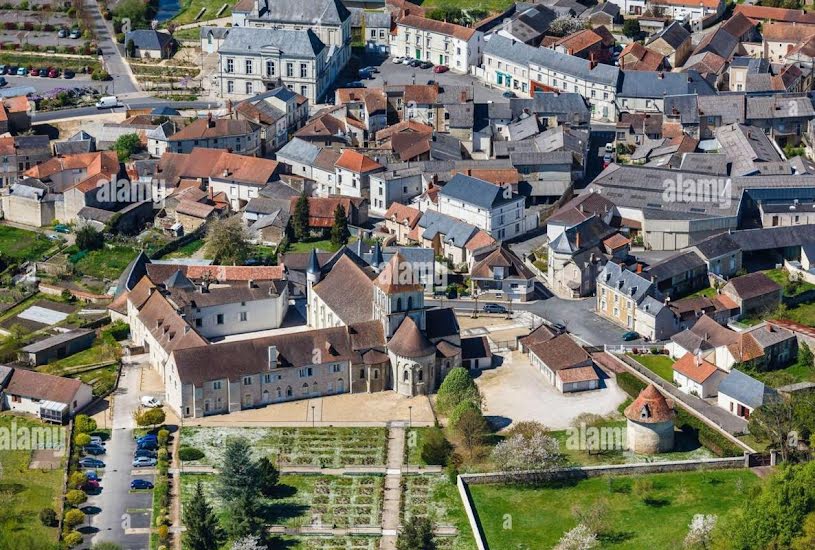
[[516, 391], [124, 517], [123, 81]]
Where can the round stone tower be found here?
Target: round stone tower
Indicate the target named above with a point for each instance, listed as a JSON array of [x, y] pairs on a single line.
[[650, 427]]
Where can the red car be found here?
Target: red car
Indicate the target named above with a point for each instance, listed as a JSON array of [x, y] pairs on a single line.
[[33, 72], [53, 73], [90, 485], [441, 69]]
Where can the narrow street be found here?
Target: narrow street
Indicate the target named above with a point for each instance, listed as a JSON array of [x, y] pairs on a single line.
[[125, 515], [123, 83]]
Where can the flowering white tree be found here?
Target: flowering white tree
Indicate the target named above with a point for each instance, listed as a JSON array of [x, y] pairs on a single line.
[[579, 538], [538, 453], [248, 543], [700, 531]]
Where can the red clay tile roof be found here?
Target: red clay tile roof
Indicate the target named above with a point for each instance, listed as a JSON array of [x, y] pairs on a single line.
[[404, 126], [440, 27], [16, 104], [766, 13], [616, 241], [203, 128], [710, 4], [786, 32], [195, 209], [561, 352], [323, 125], [221, 273], [357, 162], [373, 98], [398, 276], [738, 25], [694, 368], [400, 213], [637, 57], [409, 341], [480, 239], [578, 374], [650, 407], [243, 168], [746, 348], [45, 387], [499, 176], [421, 94], [579, 41]]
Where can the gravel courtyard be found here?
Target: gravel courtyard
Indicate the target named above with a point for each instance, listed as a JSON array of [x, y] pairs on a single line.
[[516, 391]]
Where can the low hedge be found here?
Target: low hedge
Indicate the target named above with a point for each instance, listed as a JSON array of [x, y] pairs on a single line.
[[190, 453], [716, 442], [630, 384]]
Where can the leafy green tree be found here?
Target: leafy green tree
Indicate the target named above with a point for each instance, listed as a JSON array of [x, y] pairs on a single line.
[[339, 231], [203, 531], [239, 472], [227, 241], [456, 387], [73, 517], [471, 427], [131, 48], [84, 424], [805, 358], [48, 517], [244, 516], [631, 28], [88, 238], [773, 422], [80, 440], [126, 145], [417, 535], [150, 417], [268, 476], [77, 480], [75, 497], [435, 448], [299, 221]]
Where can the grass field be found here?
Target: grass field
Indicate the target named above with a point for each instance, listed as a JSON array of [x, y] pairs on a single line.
[[106, 263], [187, 250], [322, 245], [781, 277], [435, 497], [662, 365], [190, 8], [21, 245], [25, 493], [493, 6], [650, 511]]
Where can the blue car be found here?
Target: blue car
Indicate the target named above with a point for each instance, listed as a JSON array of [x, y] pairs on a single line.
[[91, 475], [93, 450], [630, 335], [149, 445], [140, 484]]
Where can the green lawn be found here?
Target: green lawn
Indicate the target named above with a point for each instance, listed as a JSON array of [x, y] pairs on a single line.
[[22, 245], [661, 365], [106, 263], [708, 292], [25, 493], [492, 6], [781, 277], [789, 375], [637, 517], [306, 246], [435, 497], [414, 442], [190, 8], [187, 250]]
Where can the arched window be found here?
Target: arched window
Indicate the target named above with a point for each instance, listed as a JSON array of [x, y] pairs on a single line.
[[410, 302], [362, 374], [406, 376], [288, 392], [265, 396], [376, 374], [279, 393], [305, 388]]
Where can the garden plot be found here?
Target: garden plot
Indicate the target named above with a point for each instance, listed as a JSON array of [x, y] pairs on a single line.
[[328, 501], [39, 315], [321, 447], [336, 543], [433, 496]]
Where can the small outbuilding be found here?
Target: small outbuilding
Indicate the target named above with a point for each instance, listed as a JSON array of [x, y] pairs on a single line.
[[57, 347], [650, 427]]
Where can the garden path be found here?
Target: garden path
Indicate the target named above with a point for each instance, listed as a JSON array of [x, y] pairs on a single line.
[[393, 486]]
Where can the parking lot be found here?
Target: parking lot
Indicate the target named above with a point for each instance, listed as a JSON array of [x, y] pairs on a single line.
[[391, 73]]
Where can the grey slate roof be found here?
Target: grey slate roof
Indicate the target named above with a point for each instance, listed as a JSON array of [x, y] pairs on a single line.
[[454, 230], [746, 389], [567, 107], [299, 150], [717, 246], [767, 238], [327, 12], [744, 146], [524, 54], [684, 106], [706, 163], [146, 39], [475, 191], [657, 85], [674, 265], [246, 40], [47, 343], [674, 34], [625, 281]]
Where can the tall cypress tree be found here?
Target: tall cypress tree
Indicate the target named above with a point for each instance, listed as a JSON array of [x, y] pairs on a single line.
[[203, 531], [300, 219], [339, 231]]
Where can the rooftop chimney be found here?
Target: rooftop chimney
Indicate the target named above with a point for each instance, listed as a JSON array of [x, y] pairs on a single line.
[[577, 239], [210, 122], [639, 267]]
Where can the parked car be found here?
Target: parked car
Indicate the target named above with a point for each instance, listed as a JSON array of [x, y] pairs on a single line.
[[108, 102], [62, 33], [494, 308], [33, 72], [95, 450], [90, 485], [150, 402], [560, 327], [397, 60], [150, 445], [3, 81], [144, 462], [22, 71], [371, 69], [75, 34], [43, 72], [3, 69], [145, 452], [96, 440], [608, 158], [431, 82], [62, 228], [68, 73], [53, 73], [140, 484], [415, 63], [508, 94], [407, 61], [441, 69], [91, 475], [90, 462], [630, 335], [425, 65], [145, 437], [609, 147]]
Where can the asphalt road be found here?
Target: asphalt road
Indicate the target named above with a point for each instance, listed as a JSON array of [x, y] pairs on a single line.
[[114, 64], [577, 315], [121, 510], [139, 103]]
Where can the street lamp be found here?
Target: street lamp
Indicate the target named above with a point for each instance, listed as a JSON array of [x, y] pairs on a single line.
[[410, 416], [312, 416]]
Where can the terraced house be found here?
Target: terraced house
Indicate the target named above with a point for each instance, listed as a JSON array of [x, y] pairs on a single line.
[[438, 42]]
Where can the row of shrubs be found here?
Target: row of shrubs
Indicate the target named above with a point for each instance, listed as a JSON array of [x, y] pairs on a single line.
[[713, 440], [161, 489], [25, 5]]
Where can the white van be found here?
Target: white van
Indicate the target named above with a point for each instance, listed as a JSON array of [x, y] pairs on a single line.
[[108, 102]]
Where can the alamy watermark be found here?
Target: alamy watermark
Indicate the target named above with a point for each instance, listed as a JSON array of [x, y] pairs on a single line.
[[33, 438], [113, 190], [698, 190], [596, 438]]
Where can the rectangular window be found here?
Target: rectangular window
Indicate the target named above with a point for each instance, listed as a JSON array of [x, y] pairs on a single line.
[[243, 316], [270, 68], [216, 385], [289, 70], [220, 318], [248, 66], [303, 70], [230, 86], [248, 87], [230, 65], [247, 380]]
